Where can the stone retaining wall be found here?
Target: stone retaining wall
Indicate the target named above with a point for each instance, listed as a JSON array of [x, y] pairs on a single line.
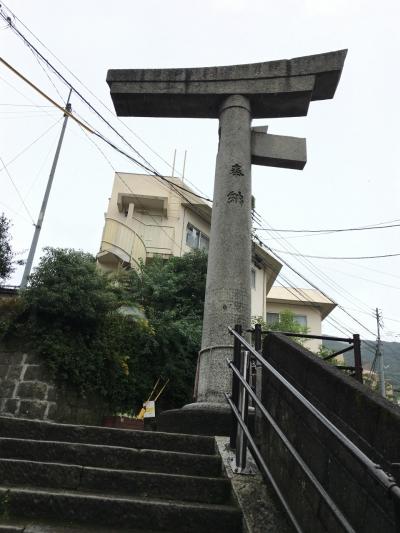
[[26, 391], [368, 420]]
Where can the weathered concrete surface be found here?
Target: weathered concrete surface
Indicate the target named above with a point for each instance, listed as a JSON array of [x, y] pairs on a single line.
[[197, 419], [228, 290], [22, 472], [49, 431], [261, 511], [111, 457], [50, 486], [275, 88], [277, 150], [121, 511]]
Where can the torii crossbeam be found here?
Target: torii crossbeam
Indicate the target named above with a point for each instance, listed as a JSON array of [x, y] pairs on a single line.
[[233, 94]]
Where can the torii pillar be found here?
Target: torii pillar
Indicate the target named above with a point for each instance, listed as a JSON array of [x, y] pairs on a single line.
[[234, 95]]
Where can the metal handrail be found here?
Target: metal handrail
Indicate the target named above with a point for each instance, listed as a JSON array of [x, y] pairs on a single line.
[[354, 341], [334, 508], [387, 481], [374, 469], [263, 464]]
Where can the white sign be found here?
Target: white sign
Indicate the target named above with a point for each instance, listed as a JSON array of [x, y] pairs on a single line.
[[150, 409]]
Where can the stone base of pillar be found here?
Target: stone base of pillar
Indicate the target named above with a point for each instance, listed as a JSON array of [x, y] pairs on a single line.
[[212, 419], [197, 419]]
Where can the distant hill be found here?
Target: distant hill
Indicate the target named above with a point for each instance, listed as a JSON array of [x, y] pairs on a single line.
[[391, 356]]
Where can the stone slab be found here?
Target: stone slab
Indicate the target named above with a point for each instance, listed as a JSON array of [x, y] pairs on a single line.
[[195, 419], [41, 430], [121, 512], [275, 88], [111, 457], [278, 150]]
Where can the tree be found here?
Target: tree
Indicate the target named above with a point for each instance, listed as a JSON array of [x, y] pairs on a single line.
[[71, 317], [6, 254], [171, 294], [286, 323], [114, 335]]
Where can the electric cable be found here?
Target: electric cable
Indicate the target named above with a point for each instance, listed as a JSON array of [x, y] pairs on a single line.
[[321, 275], [119, 175], [381, 225], [31, 144], [146, 166], [55, 70], [17, 191], [336, 257], [321, 291], [90, 92]]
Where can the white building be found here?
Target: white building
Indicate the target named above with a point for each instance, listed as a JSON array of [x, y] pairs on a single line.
[[148, 217]]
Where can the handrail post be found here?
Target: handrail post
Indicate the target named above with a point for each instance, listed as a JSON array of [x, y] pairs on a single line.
[[235, 384], [257, 337], [357, 358], [241, 439], [396, 505]]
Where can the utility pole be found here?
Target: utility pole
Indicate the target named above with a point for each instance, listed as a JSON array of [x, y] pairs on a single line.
[[379, 354], [38, 226]]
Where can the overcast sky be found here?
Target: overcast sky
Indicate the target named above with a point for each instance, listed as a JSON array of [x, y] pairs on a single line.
[[351, 177]]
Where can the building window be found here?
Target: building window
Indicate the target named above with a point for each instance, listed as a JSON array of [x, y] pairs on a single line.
[[196, 239], [253, 278], [272, 318], [301, 320]]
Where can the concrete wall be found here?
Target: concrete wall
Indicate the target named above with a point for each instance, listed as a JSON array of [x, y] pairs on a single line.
[[371, 422], [26, 391]]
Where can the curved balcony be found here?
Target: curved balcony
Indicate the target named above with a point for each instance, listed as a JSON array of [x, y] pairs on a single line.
[[120, 244]]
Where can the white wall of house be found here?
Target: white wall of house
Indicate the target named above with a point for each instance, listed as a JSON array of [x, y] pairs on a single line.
[[308, 304]]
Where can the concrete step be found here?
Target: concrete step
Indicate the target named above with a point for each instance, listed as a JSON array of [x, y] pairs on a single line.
[[39, 430], [40, 526], [117, 512], [111, 457], [17, 472]]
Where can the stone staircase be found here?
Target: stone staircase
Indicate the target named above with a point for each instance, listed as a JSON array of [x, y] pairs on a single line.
[[63, 478]]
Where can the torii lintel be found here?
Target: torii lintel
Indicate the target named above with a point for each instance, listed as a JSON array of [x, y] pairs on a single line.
[[281, 88]]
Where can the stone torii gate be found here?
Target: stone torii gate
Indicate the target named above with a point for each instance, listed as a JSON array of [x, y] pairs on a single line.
[[234, 95]]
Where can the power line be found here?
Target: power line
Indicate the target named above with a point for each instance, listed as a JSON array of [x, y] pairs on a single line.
[[147, 166], [103, 138], [30, 145], [337, 257], [90, 92], [356, 276], [119, 174], [358, 265], [337, 230], [321, 291], [17, 190], [94, 110], [26, 105], [321, 275]]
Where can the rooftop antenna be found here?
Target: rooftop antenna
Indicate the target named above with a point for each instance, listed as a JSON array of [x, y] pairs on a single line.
[[173, 164], [184, 166]]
